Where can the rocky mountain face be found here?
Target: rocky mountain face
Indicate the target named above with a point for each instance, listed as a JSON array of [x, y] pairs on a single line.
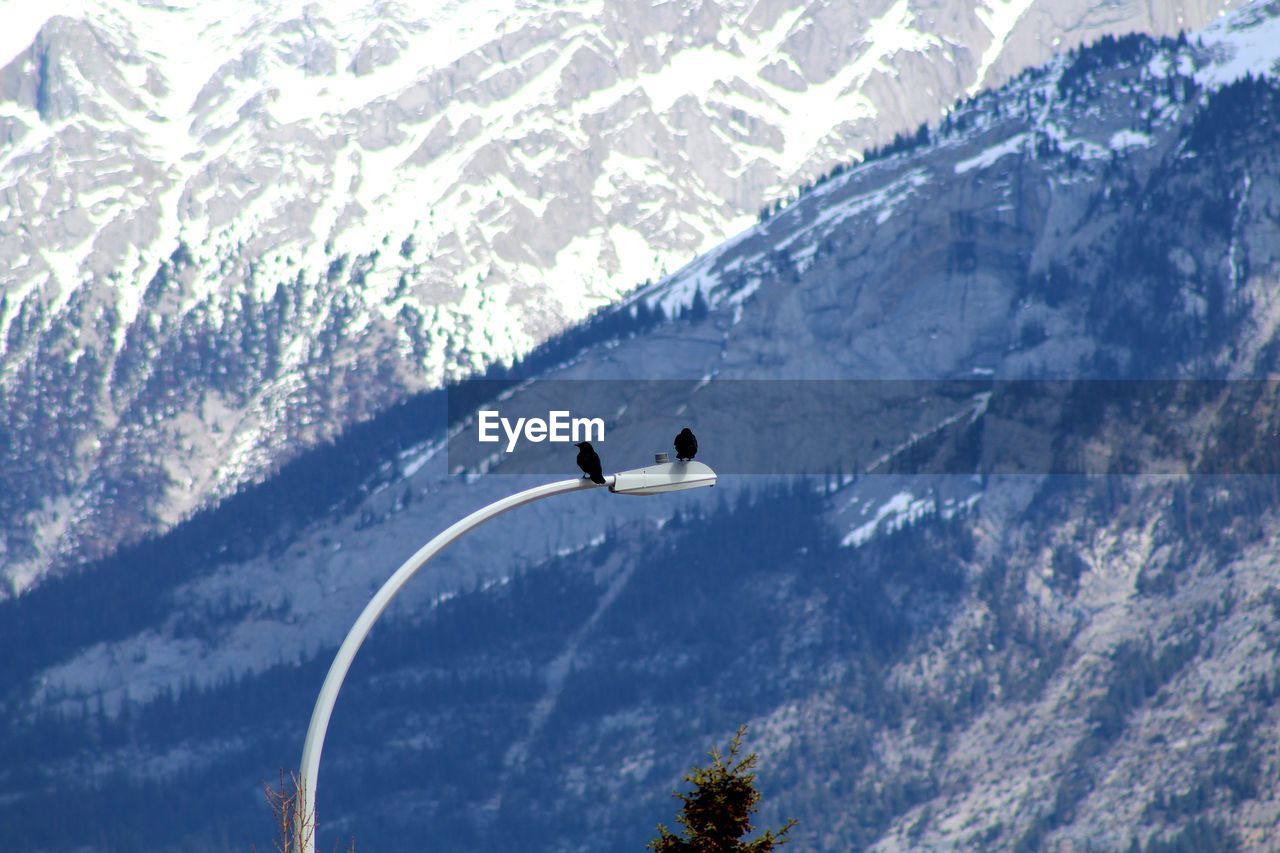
[[965, 660], [228, 231]]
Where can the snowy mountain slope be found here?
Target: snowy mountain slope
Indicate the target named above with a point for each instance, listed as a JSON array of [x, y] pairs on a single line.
[[1006, 217], [1103, 216], [229, 231]]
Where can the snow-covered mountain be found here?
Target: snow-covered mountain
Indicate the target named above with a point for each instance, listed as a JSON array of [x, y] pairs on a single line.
[[1020, 662], [229, 229]]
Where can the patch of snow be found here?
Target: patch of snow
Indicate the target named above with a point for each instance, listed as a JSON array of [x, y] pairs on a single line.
[[999, 17], [897, 512], [1016, 144], [421, 457], [1233, 251], [23, 20], [1122, 139], [980, 403], [884, 198], [1245, 42]]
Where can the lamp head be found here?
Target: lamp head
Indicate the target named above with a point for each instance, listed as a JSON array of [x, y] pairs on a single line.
[[663, 477]]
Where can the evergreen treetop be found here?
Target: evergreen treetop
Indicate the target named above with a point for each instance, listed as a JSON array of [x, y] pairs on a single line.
[[717, 813]]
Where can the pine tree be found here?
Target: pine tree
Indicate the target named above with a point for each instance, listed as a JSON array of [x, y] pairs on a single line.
[[717, 813], [699, 308]]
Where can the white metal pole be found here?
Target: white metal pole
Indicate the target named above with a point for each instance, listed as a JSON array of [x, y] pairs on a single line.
[[305, 824]]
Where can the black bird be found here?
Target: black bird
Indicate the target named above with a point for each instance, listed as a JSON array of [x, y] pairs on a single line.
[[589, 462], [686, 445]]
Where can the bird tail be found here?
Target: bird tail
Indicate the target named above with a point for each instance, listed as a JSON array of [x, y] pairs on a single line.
[[597, 478]]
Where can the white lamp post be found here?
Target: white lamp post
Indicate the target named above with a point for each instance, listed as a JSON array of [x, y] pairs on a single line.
[[660, 477]]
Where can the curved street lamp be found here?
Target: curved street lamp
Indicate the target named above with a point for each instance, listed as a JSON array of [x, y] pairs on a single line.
[[662, 476]]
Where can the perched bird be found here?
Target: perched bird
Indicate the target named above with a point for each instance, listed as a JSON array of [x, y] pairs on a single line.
[[686, 445], [589, 462]]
